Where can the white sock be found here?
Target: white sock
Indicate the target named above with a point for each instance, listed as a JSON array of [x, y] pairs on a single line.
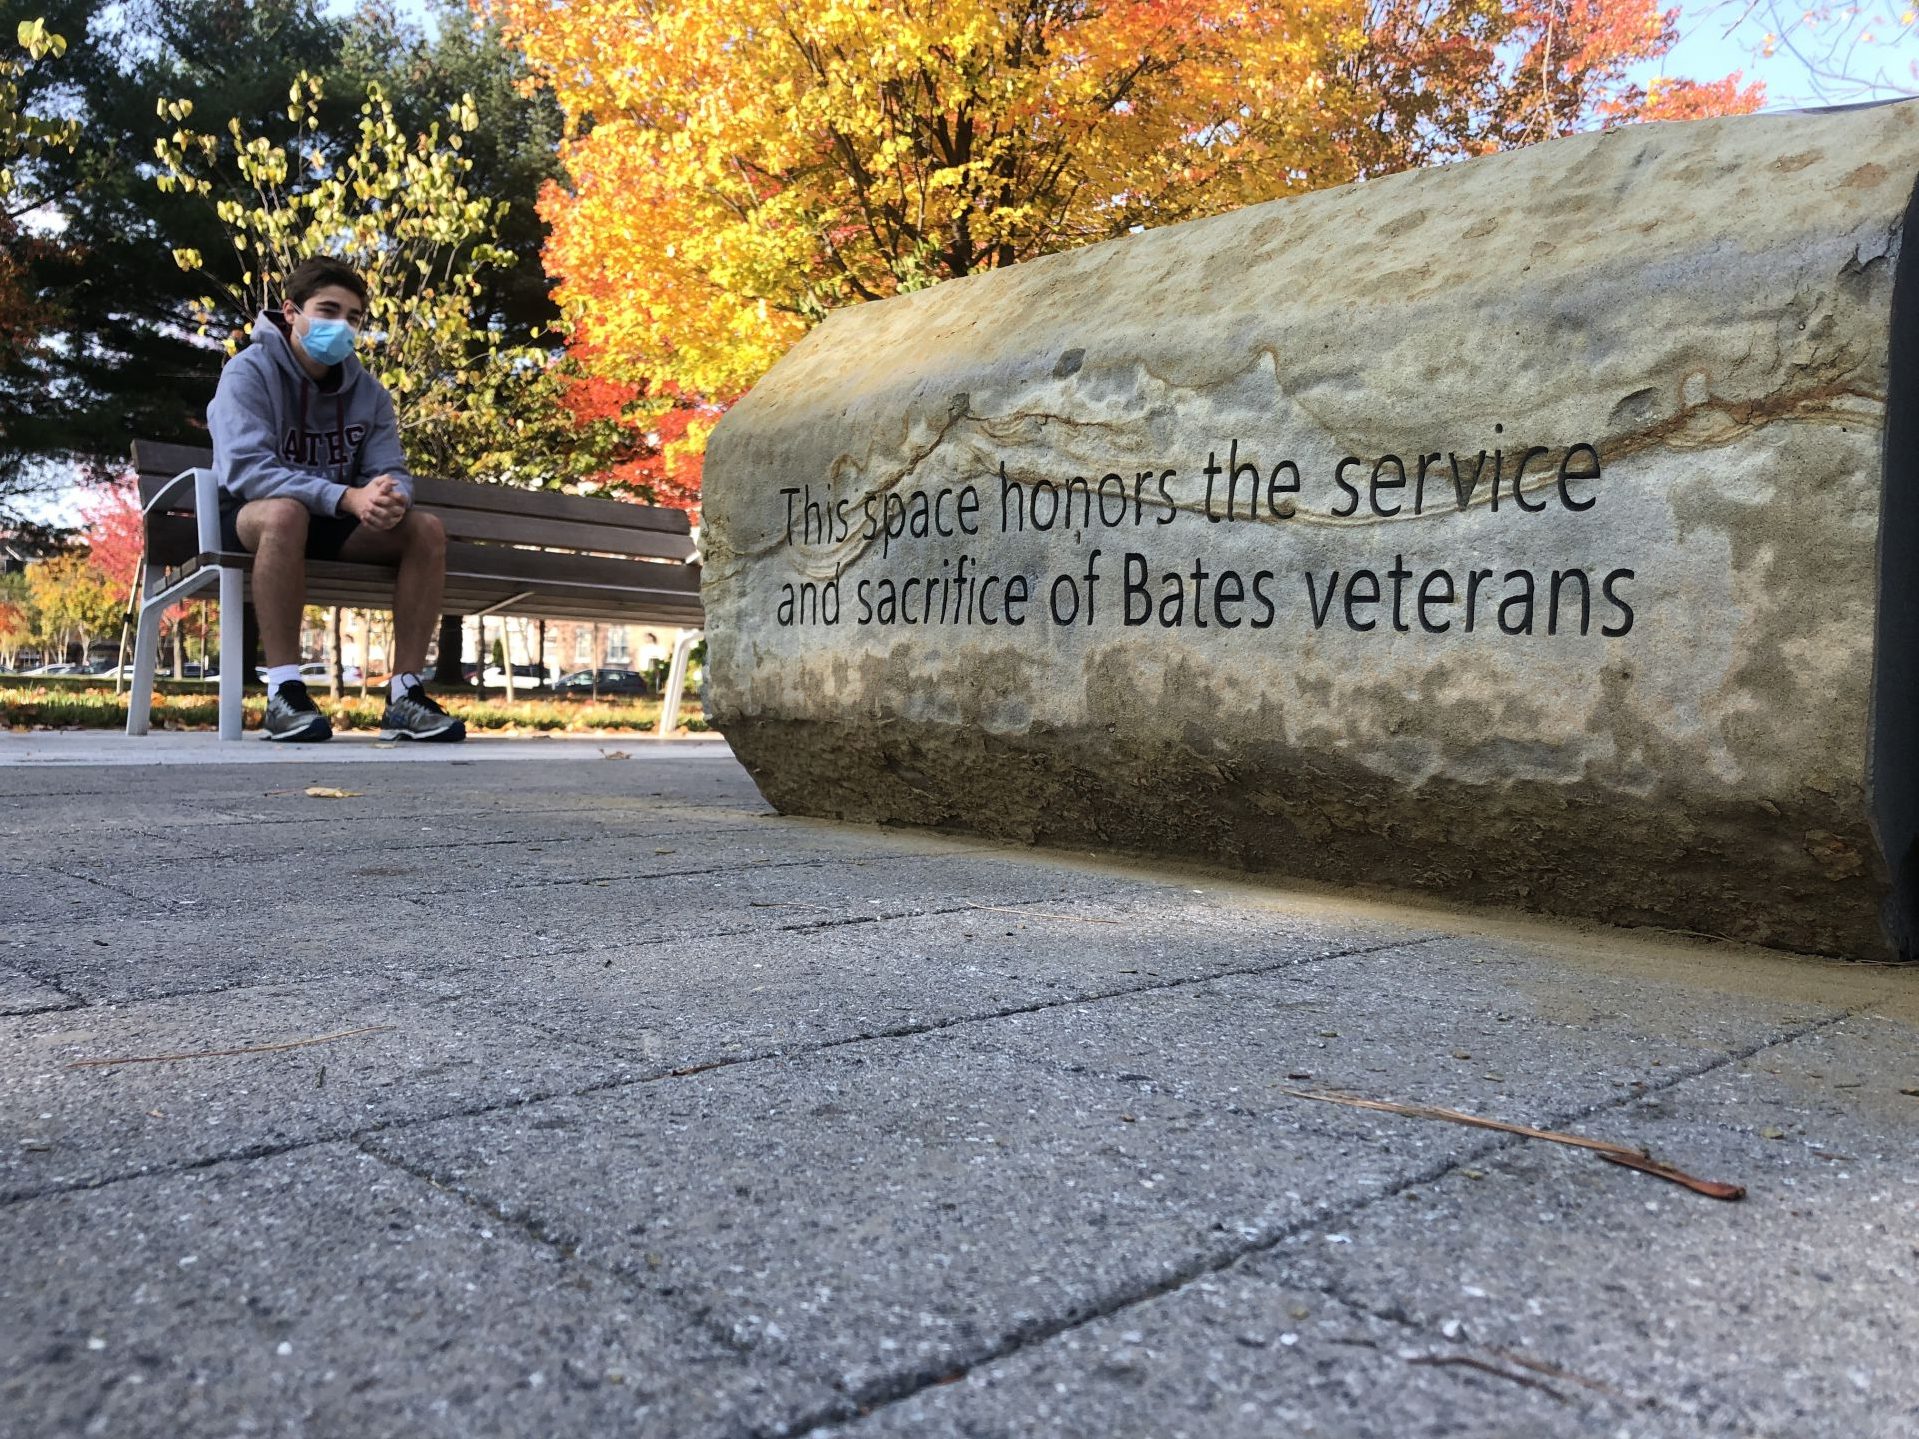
[[400, 684], [278, 675]]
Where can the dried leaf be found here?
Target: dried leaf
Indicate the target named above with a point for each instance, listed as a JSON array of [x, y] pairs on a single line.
[[327, 791]]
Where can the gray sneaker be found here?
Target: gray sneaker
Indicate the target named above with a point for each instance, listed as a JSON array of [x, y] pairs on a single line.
[[414, 715], [293, 716]]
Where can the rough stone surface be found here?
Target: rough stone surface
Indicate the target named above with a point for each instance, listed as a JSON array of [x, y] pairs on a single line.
[[1008, 1153], [1708, 306]]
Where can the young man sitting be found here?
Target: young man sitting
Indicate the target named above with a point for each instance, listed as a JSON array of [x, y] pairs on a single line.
[[308, 458]]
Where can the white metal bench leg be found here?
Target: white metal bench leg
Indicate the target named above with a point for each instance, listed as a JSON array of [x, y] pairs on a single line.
[[233, 660], [676, 683], [146, 655]]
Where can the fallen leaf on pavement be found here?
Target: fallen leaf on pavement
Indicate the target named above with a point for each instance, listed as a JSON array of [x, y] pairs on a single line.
[[327, 791], [614, 754]]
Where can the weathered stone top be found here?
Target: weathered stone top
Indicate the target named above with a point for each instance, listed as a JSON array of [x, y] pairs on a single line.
[[1285, 600]]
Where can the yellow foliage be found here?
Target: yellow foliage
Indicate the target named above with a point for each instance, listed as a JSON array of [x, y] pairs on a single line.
[[753, 164]]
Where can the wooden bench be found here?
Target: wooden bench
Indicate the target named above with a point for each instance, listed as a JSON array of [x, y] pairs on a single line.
[[509, 552]]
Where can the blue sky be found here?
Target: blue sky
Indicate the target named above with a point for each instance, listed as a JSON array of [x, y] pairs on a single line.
[[1707, 52]]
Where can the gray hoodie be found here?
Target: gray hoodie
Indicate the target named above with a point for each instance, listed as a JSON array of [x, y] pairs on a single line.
[[279, 432]]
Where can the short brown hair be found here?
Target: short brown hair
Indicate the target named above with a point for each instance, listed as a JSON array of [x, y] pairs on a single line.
[[311, 276]]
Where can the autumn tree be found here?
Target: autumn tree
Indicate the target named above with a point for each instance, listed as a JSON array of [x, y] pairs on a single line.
[[73, 601], [16, 619], [751, 166], [737, 170]]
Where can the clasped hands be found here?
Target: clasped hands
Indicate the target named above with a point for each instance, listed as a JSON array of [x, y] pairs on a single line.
[[379, 504]]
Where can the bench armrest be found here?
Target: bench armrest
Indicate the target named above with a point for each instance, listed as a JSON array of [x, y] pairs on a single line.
[[206, 503]]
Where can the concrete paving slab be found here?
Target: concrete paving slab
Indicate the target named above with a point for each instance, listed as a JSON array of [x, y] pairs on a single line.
[[49, 898], [884, 1214], [338, 834], [277, 926], [488, 864], [325, 1293], [137, 819], [119, 954], [1789, 1313], [21, 993], [93, 748], [739, 995], [841, 1206], [67, 1126], [1233, 1357], [598, 914], [1459, 1022]]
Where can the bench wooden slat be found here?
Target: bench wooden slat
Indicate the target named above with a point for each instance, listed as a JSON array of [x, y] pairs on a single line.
[[472, 524], [366, 587], [179, 536], [158, 457], [451, 499], [511, 570], [448, 495]]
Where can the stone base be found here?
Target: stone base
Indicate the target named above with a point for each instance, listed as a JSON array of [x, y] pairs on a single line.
[[1798, 879]]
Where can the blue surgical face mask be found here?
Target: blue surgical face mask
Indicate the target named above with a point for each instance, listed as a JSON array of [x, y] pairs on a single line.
[[328, 341]]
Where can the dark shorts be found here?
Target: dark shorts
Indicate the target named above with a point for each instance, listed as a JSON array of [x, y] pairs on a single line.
[[325, 533]]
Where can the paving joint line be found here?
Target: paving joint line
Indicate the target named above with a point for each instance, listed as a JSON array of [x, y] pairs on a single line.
[[883, 1395], [567, 1250], [626, 1081], [47, 976], [907, 1031]]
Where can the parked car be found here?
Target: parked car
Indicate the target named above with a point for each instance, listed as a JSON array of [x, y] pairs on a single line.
[[611, 682], [316, 672], [59, 669], [525, 677]]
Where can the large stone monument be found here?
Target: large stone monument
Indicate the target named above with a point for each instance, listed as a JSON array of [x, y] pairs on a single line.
[[1541, 530]]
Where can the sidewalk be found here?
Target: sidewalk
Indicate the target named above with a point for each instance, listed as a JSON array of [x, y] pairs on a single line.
[[594, 1099]]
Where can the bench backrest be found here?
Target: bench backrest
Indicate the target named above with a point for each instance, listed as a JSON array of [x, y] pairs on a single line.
[[487, 514]]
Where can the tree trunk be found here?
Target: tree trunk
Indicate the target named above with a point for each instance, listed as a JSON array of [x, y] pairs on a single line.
[[331, 645], [506, 655], [541, 630], [599, 657], [249, 656], [446, 669], [179, 652]]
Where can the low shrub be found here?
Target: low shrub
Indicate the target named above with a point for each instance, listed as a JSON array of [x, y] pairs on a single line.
[[27, 704]]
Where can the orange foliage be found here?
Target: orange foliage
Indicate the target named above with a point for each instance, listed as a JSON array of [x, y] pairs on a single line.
[[739, 168]]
